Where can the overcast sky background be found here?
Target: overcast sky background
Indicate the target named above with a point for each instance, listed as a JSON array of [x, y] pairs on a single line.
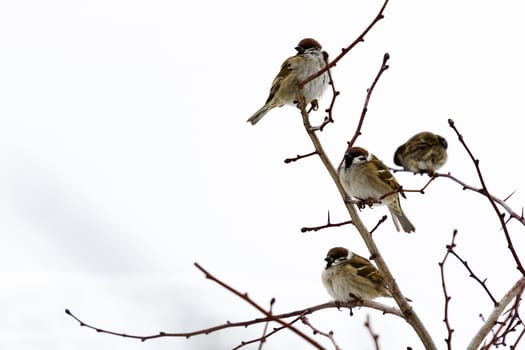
[[125, 157]]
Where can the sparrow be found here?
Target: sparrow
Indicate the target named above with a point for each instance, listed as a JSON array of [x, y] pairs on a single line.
[[308, 60], [348, 276], [424, 152], [367, 179]]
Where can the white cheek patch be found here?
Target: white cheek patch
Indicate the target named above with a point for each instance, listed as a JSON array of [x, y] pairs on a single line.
[[369, 157]]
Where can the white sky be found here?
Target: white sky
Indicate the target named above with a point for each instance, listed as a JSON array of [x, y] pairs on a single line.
[[125, 156]]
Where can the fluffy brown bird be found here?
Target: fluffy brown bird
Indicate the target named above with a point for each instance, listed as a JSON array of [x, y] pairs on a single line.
[[308, 60], [349, 276], [366, 178], [424, 152]]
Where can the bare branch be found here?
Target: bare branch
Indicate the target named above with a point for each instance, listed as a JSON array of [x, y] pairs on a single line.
[[359, 39], [502, 203], [475, 277], [515, 345], [516, 290], [384, 67], [296, 158], [487, 194], [245, 297], [446, 319], [327, 225], [506, 326], [265, 329], [329, 335], [329, 118], [383, 219], [275, 330], [384, 309]]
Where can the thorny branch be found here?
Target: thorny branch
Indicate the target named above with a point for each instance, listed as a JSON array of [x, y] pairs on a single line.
[[465, 186], [501, 202], [483, 283], [485, 190], [327, 225]]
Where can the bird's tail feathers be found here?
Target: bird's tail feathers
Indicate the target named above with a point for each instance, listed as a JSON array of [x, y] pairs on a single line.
[[254, 119], [400, 219]]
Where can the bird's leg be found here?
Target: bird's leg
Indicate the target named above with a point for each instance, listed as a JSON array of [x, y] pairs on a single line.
[[357, 299], [314, 105], [358, 202], [369, 202]]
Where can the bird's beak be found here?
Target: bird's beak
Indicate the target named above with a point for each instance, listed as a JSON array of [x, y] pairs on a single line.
[[348, 160], [329, 261], [299, 49]]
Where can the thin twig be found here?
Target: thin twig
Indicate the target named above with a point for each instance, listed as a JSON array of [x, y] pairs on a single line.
[[375, 337], [344, 51], [475, 277], [383, 219], [329, 335], [299, 156], [515, 345], [447, 297], [384, 67], [256, 340], [327, 225], [329, 118], [265, 329]]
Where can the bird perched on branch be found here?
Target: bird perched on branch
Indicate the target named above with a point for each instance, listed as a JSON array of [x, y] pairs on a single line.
[[295, 69], [348, 276], [424, 152], [368, 180]]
